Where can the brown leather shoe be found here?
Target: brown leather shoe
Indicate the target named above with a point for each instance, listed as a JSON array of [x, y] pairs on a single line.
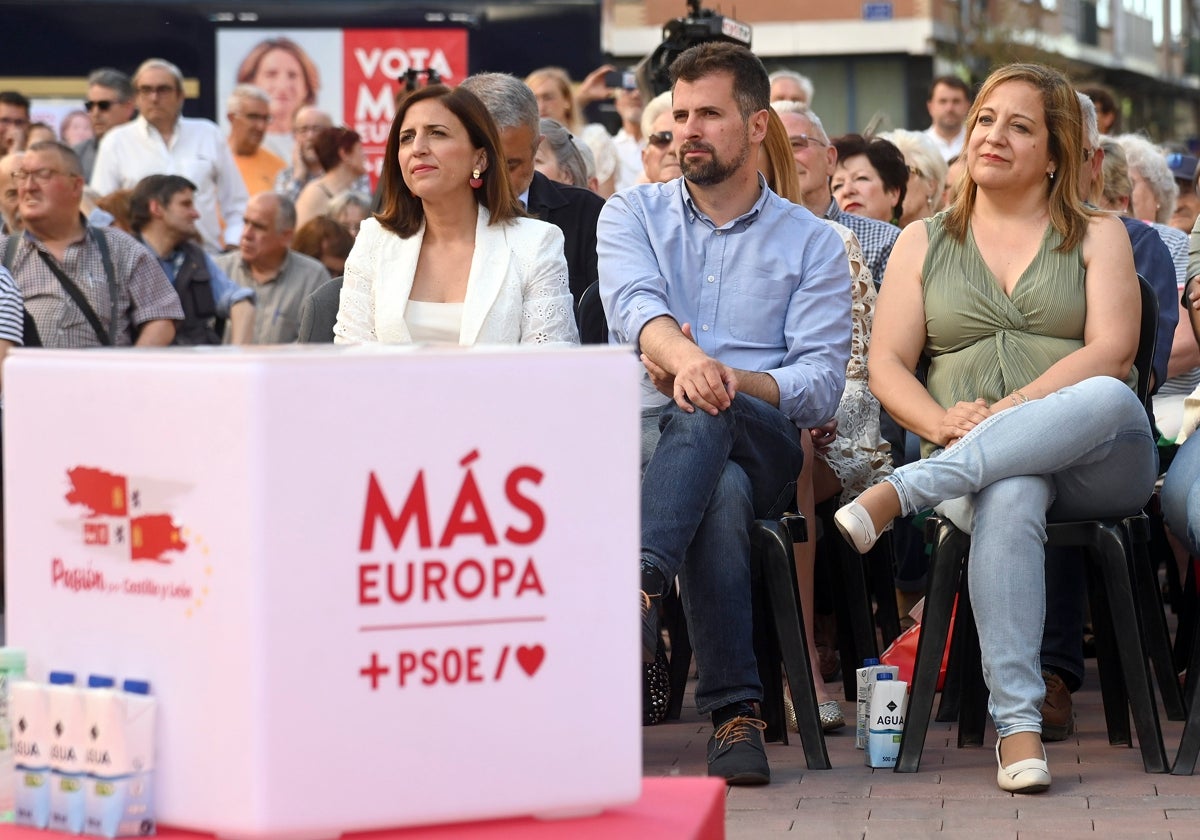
[[1058, 716]]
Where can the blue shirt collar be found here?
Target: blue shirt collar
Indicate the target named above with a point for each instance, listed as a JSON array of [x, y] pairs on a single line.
[[747, 218]]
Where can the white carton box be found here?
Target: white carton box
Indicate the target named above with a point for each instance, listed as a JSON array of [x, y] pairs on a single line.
[[370, 587]]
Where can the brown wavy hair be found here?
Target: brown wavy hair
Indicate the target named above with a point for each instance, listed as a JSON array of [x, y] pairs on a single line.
[[402, 211], [248, 69], [1064, 125]]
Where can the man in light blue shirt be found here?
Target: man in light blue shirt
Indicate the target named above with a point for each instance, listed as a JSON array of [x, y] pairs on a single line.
[[739, 303]]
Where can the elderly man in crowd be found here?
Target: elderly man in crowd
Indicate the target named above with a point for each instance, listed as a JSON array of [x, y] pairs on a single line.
[[816, 158], [162, 213], [84, 286], [739, 302], [109, 104], [249, 111], [10, 213], [790, 86], [280, 277], [573, 209], [162, 141]]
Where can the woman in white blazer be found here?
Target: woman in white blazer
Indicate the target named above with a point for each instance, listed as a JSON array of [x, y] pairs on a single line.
[[453, 258]]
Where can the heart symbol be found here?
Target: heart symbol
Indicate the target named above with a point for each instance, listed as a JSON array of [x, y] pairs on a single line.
[[530, 658]]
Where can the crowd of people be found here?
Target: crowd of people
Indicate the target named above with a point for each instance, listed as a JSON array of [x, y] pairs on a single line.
[[782, 287]]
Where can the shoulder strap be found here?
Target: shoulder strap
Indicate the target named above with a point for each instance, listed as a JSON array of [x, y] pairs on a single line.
[[110, 276], [77, 296]]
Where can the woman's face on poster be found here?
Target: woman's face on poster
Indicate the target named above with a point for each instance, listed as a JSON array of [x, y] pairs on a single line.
[[281, 76]]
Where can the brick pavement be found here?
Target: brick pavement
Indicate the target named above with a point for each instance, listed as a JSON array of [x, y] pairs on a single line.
[[1098, 790]]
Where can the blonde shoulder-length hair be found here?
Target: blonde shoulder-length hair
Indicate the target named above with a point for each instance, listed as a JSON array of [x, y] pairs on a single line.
[[1064, 126]]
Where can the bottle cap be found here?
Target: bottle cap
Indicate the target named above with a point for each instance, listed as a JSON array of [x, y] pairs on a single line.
[[867, 663], [12, 660], [136, 686], [98, 681], [62, 678], [884, 676]]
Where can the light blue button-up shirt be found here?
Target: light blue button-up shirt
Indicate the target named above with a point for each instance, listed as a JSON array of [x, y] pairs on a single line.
[[767, 292]]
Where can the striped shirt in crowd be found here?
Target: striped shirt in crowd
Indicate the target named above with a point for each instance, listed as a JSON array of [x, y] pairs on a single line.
[[12, 316]]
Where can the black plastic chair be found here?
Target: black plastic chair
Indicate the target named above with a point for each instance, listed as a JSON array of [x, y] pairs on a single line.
[[1122, 594], [589, 316], [778, 638]]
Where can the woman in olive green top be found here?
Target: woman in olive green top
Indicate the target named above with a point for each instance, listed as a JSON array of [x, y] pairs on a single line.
[[1026, 303]]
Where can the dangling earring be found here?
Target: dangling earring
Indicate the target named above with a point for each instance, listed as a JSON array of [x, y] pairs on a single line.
[[475, 181], [1051, 174]]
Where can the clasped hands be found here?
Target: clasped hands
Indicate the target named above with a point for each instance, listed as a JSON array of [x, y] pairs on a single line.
[[699, 380]]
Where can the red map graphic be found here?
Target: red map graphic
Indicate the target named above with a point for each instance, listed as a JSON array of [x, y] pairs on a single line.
[[105, 494]]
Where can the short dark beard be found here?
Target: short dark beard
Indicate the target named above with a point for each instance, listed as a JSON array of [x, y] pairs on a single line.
[[714, 170]]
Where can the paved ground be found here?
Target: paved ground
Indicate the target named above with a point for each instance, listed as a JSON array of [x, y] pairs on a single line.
[[1098, 790]]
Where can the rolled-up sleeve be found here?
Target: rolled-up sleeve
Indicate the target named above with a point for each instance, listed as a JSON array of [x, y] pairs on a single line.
[[632, 287], [817, 330]]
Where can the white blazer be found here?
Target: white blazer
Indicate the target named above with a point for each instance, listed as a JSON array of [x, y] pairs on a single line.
[[517, 291]]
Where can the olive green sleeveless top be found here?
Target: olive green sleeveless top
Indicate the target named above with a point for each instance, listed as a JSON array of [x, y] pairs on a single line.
[[984, 343]]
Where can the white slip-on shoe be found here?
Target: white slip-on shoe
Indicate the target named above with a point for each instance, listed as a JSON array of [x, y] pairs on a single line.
[[856, 526], [1030, 775]]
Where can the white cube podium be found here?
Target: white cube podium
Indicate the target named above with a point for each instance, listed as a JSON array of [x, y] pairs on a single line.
[[370, 587]]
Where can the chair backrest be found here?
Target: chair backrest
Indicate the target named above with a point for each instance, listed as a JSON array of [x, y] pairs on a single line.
[[589, 315], [1147, 337]]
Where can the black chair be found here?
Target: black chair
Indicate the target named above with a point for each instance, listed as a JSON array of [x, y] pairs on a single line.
[[1117, 567], [778, 638], [589, 316]]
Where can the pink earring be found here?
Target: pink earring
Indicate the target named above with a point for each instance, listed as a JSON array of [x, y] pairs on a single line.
[[475, 181]]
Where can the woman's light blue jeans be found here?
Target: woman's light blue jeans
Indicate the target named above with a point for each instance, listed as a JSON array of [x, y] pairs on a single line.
[[1181, 494], [1083, 452]]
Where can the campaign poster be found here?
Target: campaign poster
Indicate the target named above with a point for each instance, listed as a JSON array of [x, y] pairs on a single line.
[[352, 74]]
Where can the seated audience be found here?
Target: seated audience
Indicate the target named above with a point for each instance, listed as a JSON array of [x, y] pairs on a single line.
[[349, 208], [926, 174], [558, 158], [84, 286], [660, 157], [449, 216], [162, 213], [1020, 297], [870, 179], [326, 241], [851, 454], [340, 153], [280, 277]]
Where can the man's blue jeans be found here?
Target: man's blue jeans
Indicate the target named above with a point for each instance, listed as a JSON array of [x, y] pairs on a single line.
[[1082, 452], [706, 482]]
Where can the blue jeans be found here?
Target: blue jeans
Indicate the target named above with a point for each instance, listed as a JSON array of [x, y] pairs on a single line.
[[1181, 494], [1083, 452], [706, 482]]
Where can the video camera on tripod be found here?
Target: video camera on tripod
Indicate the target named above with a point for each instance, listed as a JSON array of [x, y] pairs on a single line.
[[699, 27]]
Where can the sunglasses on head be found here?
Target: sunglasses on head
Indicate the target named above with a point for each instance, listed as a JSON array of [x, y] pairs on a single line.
[[661, 139], [102, 104]]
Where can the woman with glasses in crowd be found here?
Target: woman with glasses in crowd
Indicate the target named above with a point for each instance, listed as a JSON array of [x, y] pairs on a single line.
[[660, 156]]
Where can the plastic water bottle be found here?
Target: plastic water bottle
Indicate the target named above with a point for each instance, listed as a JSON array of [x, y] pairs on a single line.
[[12, 667]]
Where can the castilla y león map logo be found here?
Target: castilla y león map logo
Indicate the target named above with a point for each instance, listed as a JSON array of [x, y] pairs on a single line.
[[127, 529]]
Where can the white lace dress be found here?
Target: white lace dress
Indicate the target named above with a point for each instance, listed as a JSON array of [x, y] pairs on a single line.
[[858, 456]]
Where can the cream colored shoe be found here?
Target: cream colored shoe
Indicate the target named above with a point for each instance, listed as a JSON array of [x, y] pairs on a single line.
[[1030, 775], [856, 526]]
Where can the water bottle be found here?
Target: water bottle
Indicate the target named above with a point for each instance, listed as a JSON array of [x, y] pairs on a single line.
[[12, 667]]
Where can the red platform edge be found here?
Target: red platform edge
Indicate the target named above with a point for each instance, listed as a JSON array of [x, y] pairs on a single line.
[[675, 808]]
